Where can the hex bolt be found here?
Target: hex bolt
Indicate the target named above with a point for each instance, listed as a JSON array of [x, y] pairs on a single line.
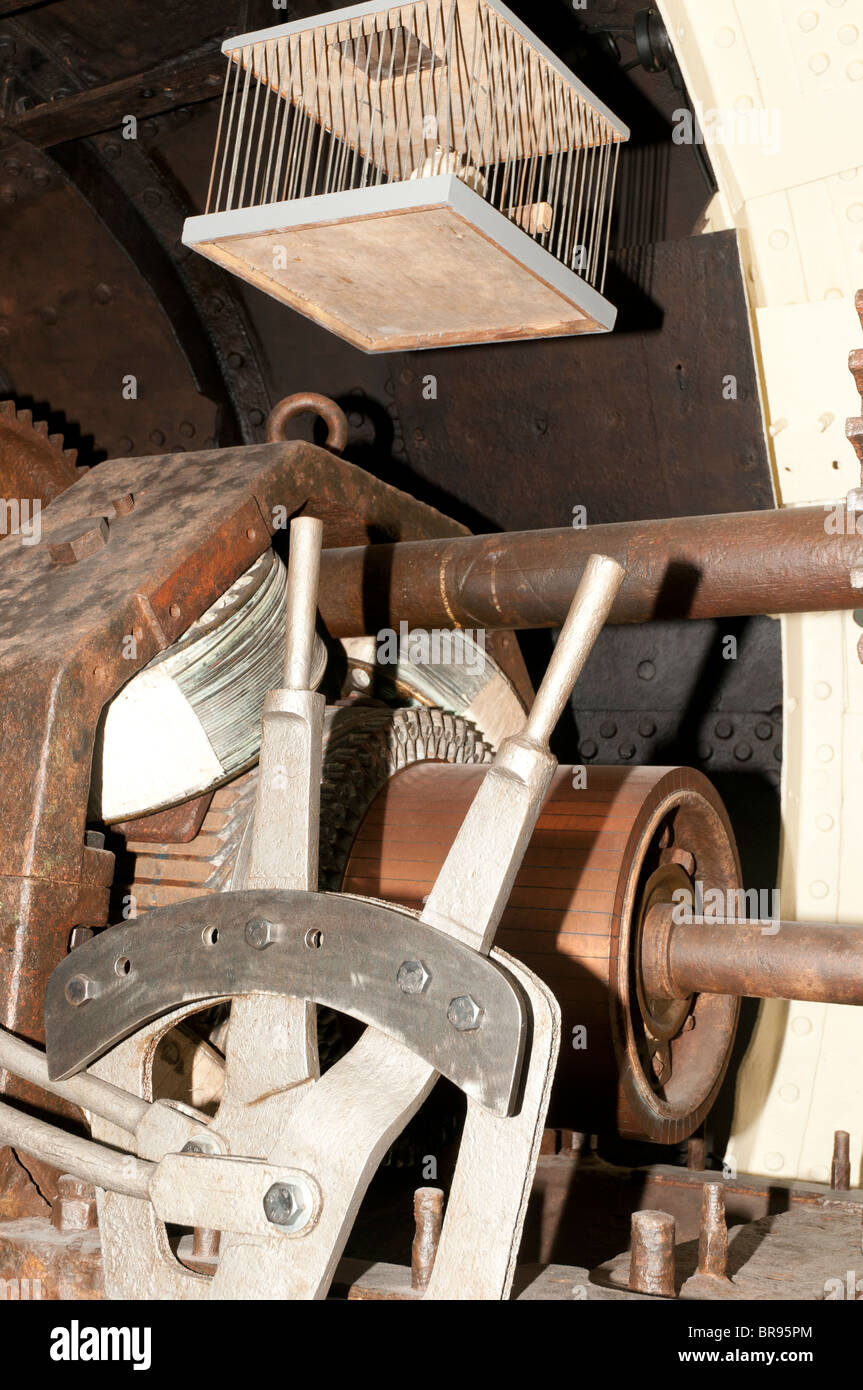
[[260, 933], [79, 989], [74, 1207], [840, 1168], [651, 1268], [280, 1203], [78, 540], [428, 1218], [412, 977], [464, 1013], [713, 1236]]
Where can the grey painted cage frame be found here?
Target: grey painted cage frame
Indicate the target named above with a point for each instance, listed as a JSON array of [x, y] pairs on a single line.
[[325, 118]]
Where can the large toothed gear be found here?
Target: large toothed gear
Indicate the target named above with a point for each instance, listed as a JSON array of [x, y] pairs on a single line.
[[33, 463]]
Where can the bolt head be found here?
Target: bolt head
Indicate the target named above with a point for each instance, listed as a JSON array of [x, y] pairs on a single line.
[[280, 1203], [78, 540], [74, 1207], [412, 977], [79, 989], [464, 1013], [204, 1144], [260, 933]]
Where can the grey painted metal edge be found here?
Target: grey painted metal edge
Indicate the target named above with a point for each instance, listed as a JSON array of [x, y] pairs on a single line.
[[404, 196]]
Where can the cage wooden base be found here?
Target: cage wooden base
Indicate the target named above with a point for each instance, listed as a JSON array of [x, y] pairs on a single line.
[[416, 264]]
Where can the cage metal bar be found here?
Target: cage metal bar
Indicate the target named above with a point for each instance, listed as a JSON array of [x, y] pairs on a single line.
[[208, 204], [249, 137], [371, 140], [275, 107], [227, 145], [571, 158], [609, 214], [240, 125], [600, 212], [494, 86], [512, 136]]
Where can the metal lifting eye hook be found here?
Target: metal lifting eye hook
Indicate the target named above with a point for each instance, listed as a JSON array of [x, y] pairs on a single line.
[[302, 403]]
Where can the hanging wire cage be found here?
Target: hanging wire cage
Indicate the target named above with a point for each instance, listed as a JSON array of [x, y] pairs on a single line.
[[413, 176]]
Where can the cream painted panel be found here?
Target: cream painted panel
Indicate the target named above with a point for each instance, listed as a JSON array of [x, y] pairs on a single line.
[[793, 188]]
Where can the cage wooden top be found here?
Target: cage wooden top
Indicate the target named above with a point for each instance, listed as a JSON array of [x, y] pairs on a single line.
[[466, 73]]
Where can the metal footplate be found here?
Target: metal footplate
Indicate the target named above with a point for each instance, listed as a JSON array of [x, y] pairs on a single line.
[[455, 1008]]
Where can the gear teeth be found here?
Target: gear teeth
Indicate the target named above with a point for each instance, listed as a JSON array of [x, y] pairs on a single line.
[[854, 431], [56, 458]]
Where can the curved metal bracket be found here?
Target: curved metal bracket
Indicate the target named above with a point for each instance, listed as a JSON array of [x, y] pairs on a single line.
[[458, 1010]]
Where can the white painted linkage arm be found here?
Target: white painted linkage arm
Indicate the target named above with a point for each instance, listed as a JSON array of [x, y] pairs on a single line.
[[304, 567], [91, 1162], [475, 882], [121, 1108], [587, 614], [155, 1128]]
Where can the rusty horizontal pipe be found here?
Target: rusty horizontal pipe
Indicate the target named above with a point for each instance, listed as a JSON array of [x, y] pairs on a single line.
[[761, 960], [735, 564]]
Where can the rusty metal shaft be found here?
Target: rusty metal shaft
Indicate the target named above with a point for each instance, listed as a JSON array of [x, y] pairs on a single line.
[[764, 960], [788, 560]]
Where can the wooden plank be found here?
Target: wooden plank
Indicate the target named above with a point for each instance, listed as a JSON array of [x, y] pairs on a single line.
[[417, 279]]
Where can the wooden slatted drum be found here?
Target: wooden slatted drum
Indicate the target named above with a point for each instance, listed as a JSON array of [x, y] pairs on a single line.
[[597, 856]]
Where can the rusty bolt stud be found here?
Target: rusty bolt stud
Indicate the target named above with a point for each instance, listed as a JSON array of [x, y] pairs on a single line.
[[79, 989], [840, 1168], [428, 1218], [74, 1207], [713, 1236], [464, 1013], [651, 1268], [78, 540], [412, 977], [260, 933], [696, 1153], [124, 504]]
